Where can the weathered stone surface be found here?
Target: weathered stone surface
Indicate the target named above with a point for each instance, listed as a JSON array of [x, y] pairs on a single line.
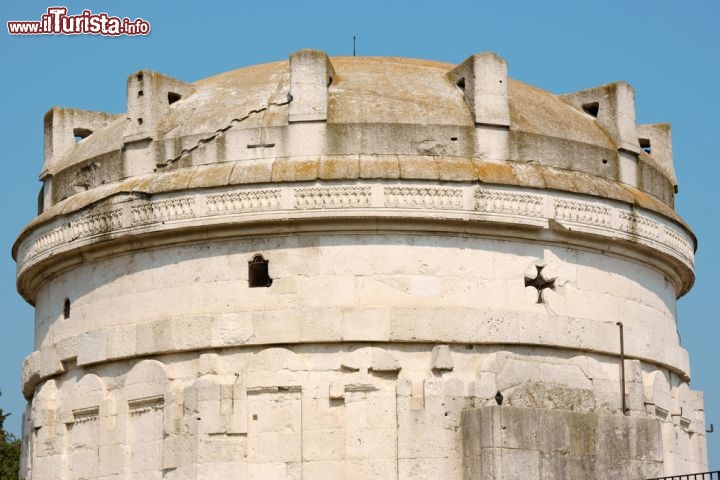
[[441, 358], [357, 268], [506, 443]]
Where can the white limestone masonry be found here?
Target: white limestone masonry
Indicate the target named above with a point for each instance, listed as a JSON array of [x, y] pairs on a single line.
[[443, 255]]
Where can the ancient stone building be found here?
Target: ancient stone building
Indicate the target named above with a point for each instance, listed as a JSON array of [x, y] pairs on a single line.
[[358, 268]]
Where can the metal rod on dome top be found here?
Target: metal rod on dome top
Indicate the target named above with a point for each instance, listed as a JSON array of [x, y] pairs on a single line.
[[622, 368]]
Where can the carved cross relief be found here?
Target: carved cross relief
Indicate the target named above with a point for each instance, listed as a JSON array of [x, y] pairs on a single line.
[[540, 282]]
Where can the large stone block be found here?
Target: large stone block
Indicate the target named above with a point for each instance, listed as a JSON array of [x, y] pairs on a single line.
[[92, 347], [311, 75], [323, 445], [505, 442], [323, 470], [415, 468]]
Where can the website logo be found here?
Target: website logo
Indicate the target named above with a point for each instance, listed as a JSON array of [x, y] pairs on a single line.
[[57, 22]]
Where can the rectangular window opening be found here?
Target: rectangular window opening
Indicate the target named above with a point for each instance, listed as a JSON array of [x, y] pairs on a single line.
[[258, 275], [645, 145]]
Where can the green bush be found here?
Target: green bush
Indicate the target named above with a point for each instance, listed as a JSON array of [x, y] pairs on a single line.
[[9, 452]]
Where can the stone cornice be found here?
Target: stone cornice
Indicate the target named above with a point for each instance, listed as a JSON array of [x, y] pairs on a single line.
[[462, 208]]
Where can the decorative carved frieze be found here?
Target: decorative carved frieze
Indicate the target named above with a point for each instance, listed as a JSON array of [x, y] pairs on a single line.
[[509, 203], [424, 197], [145, 405], [631, 222], [44, 242], [163, 210], [332, 197], [582, 212], [84, 415], [519, 204], [678, 242], [88, 225], [245, 201]]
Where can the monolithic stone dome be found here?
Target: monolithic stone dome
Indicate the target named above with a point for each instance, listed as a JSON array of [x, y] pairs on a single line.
[[430, 237], [388, 118]]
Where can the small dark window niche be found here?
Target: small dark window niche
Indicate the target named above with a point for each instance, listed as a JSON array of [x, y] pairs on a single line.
[[81, 134], [66, 308], [592, 108], [258, 275], [41, 200], [645, 144]]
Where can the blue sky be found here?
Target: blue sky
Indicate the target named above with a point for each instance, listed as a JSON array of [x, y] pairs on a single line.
[[669, 52]]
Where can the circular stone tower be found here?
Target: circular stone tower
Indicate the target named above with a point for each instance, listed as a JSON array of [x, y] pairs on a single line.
[[358, 268]]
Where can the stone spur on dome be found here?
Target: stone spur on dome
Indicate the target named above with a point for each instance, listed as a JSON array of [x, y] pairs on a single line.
[[358, 268]]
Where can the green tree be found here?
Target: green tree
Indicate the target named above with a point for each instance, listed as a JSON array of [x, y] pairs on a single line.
[[9, 451]]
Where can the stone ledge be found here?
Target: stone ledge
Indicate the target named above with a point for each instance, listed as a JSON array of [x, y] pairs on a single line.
[[210, 332], [173, 213]]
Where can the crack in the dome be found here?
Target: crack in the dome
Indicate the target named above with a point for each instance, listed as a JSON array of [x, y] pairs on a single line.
[[233, 123]]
